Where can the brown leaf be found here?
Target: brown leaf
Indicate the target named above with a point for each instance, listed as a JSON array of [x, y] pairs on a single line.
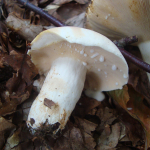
[[6, 128], [14, 7], [14, 60], [77, 21], [70, 10], [76, 139], [2, 140], [85, 105], [86, 127], [28, 70], [133, 129], [60, 2], [19, 138], [106, 116], [82, 1], [1, 56], [106, 141], [43, 3], [121, 96], [23, 27], [73, 140], [3, 38], [28, 145], [25, 106], [16, 40], [137, 77], [62, 144], [138, 110], [6, 72], [16, 94], [5, 125], [10, 107], [13, 83], [20, 84], [25, 66]]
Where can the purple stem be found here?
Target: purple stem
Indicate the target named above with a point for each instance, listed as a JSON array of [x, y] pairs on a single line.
[[135, 60], [126, 41]]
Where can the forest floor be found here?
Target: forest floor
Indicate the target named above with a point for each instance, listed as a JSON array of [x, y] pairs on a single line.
[[120, 122]]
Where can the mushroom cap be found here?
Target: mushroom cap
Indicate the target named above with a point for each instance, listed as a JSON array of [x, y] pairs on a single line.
[[120, 18], [106, 67]]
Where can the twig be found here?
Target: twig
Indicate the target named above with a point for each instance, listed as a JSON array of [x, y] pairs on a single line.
[[135, 60], [121, 43], [125, 41], [42, 13]]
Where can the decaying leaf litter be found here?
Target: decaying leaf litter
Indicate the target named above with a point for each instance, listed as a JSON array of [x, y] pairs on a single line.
[[121, 121]]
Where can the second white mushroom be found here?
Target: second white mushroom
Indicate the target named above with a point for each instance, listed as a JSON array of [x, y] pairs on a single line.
[[117, 19]]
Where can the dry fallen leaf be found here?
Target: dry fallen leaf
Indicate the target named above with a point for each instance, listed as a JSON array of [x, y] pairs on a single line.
[[109, 141], [82, 1], [19, 139], [12, 6], [77, 21], [23, 27], [6, 128], [19, 63], [71, 140], [70, 10], [18, 84], [60, 2], [84, 106], [93, 125], [3, 38], [86, 127], [132, 102], [133, 129], [137, 77], [75, 138]]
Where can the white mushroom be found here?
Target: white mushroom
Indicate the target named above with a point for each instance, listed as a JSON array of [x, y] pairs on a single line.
[[120, 18], [68, 73]]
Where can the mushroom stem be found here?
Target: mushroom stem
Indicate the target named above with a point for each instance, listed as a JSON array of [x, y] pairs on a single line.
[[145, 51], [59, 94]]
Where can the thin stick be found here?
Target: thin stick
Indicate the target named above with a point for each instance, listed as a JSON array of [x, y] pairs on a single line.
[[135, 60], [42, 13], [126, 41]]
